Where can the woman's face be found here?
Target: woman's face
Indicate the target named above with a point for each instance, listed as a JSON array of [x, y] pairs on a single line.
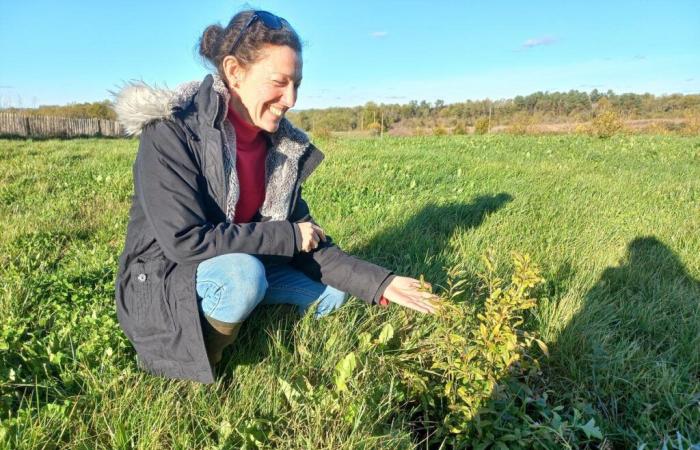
[[263, 92]]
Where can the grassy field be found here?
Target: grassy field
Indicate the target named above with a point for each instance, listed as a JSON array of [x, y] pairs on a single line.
[[614, 226]]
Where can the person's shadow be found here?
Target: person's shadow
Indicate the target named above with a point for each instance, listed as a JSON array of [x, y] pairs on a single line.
[[411, 248], [633, 350], [419, 246]]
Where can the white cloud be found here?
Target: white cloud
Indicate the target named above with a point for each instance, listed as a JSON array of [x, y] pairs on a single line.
[[379, 34], [536, 42]]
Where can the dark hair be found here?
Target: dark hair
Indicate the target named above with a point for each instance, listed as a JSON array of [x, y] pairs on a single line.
[[216, 41]]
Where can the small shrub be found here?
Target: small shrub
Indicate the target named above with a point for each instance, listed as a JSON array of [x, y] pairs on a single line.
[[521, 124], [606, 124], [475, 378], [439, 130], [582, 128], [374, 128], [481, 126], [691, 126]]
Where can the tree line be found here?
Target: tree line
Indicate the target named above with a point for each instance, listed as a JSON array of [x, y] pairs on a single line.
[[546, 107], [94, 110]]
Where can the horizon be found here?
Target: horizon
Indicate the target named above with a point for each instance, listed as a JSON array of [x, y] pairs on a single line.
[[362, 52], [477, 100], [505, 99]]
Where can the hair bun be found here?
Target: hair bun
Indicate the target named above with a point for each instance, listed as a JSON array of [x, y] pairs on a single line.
[[208, 42]]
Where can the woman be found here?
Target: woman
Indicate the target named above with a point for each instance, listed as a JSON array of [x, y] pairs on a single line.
[[217, 224]]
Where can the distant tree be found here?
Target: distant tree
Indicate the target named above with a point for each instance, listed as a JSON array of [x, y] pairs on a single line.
[[481, 126]]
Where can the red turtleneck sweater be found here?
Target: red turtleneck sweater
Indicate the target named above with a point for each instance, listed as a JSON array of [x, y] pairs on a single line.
[[251, 149]]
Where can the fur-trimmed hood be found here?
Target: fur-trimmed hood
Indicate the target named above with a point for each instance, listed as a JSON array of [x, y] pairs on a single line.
[[137, 104]]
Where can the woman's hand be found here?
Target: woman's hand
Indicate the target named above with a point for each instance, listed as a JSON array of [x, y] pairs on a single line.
[[404, 291], [311, 235]]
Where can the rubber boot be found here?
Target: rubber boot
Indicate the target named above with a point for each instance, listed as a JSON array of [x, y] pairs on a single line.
[[217, 336]]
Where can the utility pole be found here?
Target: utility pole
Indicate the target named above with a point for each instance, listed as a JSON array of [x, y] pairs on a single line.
[[381, 128], [490, 108]]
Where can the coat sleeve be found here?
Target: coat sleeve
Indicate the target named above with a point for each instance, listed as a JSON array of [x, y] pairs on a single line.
[[168, 184], [332, 266]]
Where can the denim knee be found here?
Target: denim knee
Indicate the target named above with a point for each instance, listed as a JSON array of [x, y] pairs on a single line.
[[330, 300], [231, 286]]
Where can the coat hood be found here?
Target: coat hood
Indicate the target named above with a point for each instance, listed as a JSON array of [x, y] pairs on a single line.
[[137, 104]]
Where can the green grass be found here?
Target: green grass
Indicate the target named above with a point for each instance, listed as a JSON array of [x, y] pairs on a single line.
[[613, 224]]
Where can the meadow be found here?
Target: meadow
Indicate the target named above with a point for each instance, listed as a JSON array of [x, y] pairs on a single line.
[[612, 224]]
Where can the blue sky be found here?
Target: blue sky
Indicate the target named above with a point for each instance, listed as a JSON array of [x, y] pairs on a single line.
[[356, 51]]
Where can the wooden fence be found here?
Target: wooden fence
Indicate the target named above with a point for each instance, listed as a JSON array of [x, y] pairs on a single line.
[[47, 126]]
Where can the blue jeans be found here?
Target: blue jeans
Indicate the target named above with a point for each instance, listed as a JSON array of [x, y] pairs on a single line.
[[230, 286]]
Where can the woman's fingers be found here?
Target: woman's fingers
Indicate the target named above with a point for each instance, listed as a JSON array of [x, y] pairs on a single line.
[[319, 231], [422, 303], [417, 285], [406, 292], [315, 238], [311, 235], [430, 302]]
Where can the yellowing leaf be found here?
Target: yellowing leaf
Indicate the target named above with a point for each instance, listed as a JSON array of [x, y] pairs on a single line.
[[289, 392], [343, 371], [365, 341], [386, 334], [543, 347]]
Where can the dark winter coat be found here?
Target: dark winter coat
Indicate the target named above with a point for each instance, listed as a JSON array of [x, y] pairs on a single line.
[[183, 189]]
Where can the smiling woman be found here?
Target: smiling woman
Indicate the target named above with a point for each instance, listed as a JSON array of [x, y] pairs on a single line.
[[218, 225]]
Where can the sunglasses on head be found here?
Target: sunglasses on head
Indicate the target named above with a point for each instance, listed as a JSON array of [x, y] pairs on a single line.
[[270, 20]]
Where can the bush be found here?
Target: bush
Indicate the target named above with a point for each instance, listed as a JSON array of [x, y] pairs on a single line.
[[582, 128], [473, 379], [691, 126], [374, 128], [606, 124], [481, 126], [521, 124], [439, 130]]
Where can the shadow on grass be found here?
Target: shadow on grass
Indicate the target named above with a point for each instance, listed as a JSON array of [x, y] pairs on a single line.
[[632, 349], [418, 245], [411, 248]]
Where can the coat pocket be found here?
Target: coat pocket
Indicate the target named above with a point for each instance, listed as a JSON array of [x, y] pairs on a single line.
[[151, 311]]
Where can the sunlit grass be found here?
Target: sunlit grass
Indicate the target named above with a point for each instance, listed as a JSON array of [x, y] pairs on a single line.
[[613, 224]]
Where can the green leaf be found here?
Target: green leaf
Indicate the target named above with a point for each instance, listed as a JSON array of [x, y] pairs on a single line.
[[365, 341], [343, 371], [591, 430], [386, 334], [289, 392]]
